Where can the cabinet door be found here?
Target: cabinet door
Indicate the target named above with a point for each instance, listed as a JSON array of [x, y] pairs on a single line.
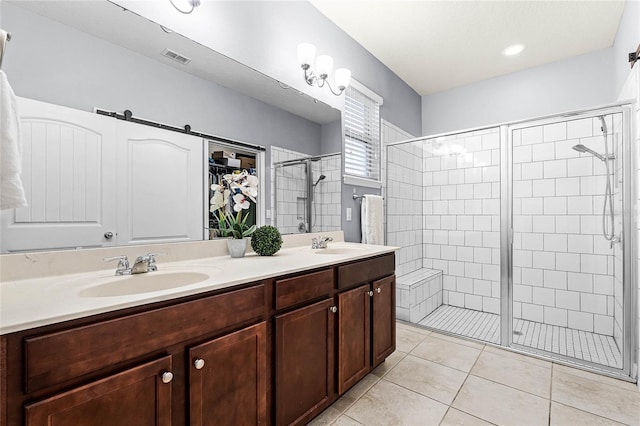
[[384, 319], [227, 379], [304, 366], [354, 330], [137, 396], [160, 194], [69, 178]]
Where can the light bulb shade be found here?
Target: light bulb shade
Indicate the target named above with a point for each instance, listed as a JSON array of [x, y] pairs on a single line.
[[343, 78], [324, 64], [306, 54]]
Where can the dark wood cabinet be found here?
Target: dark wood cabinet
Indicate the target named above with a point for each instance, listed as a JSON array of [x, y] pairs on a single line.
[[263, 353], [108, 369], [304, 362], [227, 379], [383, 330], [138, 396], [354, 331], [366, 328]]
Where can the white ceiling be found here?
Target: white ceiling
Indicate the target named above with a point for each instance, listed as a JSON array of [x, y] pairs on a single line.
[[438, 45]]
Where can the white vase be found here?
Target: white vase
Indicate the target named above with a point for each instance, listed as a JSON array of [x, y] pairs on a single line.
[[237, 247]]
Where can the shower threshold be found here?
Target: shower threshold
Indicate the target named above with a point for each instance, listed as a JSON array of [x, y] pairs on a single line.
[[578, 344]]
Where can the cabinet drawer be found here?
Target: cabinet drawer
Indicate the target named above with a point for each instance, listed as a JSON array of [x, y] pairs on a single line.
[[366, 271], [292, 291], [66, 355]]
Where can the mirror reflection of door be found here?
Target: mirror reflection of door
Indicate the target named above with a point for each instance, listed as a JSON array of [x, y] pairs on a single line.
[[68, 173], [93, 181]]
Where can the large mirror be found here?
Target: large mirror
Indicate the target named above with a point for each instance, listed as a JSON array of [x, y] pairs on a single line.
[[96, 54]]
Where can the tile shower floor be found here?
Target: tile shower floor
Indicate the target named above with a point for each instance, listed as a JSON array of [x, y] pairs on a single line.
[[434, 379], [485, 326]]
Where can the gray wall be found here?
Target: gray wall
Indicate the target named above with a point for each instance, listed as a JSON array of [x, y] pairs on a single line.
[[298, 22], [265, 35], [331, 137], [48, 68], [584, 81], [55, 63], [580, 82], [71, 68], [627, 40]]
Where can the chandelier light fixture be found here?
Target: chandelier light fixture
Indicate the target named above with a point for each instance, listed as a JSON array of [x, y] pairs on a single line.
[[323, 65], [185, 6]]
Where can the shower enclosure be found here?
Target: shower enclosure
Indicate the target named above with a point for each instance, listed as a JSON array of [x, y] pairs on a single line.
[[307, 194], [525, 238]]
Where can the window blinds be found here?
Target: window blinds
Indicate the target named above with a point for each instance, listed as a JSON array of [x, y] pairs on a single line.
[[362, 135]]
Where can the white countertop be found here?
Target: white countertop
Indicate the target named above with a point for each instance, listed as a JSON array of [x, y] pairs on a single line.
[[35, 302]]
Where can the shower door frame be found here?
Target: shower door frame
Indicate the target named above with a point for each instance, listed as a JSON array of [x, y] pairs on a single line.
[[628, 244]]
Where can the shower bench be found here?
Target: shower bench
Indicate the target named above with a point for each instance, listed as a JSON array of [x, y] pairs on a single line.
[[418, 293]]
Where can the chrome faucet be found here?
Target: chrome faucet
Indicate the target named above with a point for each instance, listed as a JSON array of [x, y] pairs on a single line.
[[320, 243], [143, 264]]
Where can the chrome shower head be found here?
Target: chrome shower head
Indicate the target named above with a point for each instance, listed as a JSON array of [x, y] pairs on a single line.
[[583, 149], [580, 148], [322, 177]]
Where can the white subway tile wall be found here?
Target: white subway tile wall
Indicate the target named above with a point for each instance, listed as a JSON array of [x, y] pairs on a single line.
[[290, 193], [565, 272], [327, 200], [403, 197]]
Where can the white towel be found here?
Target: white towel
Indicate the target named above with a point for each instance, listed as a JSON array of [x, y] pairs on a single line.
[[11, 190], [372, 219]]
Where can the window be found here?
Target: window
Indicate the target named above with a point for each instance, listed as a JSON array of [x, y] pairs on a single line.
[[361, 134]]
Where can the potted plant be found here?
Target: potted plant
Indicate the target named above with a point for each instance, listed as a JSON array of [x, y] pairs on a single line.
[[266, 240], [239, 187]]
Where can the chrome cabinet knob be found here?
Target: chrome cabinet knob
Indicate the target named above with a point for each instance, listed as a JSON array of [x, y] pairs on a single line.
[[333, 309], [108, 235], [167, 377], [198, 363], [370, 294], [378, 290]]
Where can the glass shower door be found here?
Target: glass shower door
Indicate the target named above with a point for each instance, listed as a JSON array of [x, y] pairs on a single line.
[[449, 274], [567, 293]]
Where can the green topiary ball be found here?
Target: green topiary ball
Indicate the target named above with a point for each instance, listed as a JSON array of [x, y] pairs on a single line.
[[266, 241]]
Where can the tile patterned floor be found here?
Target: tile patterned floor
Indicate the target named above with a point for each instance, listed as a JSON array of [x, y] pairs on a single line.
[[485, 326], [465, 322], [434, 379]]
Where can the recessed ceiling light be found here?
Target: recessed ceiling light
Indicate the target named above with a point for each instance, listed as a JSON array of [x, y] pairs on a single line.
[[513, 50]]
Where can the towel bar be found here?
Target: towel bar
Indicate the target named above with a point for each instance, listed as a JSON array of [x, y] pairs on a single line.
[[359, 197]]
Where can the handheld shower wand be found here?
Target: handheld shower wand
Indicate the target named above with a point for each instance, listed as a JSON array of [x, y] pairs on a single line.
[[607, 225], [322, 177], [583, 149]]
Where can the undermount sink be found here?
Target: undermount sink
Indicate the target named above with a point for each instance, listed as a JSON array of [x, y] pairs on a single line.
[[142, 283], [339, 250]]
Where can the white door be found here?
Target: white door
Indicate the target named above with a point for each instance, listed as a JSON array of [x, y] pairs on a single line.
[[68, 172], [160, 185]]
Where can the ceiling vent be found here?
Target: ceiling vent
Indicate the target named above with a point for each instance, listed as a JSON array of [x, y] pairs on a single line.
[[175, 56]]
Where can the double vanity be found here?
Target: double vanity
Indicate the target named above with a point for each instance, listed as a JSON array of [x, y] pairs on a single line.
[[203, 340]]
